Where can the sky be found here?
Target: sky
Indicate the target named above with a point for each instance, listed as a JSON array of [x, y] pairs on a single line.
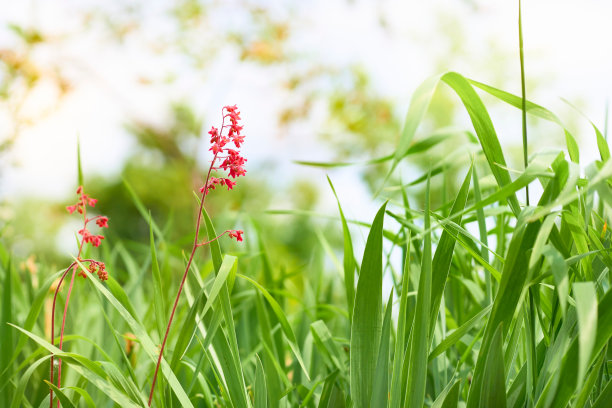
[[398, 43]]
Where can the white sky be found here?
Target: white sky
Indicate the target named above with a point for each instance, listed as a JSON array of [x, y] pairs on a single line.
[[566, 46]]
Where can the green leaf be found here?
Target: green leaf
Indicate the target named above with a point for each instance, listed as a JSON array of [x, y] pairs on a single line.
[[158, 300], [444, 254], [6, 334], [399, 355], [282, 318], [79, 166], [261, 399], [458, 333], [367, 316], [380, 389], [349, 258], [514, 278], [586, 308], [63, 398], [449, 397], [419, 346], [493, 391]]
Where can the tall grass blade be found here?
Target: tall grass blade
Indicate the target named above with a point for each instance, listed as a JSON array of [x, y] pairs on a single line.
[[493, 392], [419, 346], [380, 389], [349, 258], [586, 308], [367, 316]]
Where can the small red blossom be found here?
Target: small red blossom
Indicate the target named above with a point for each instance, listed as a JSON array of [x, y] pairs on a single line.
[[236, 234], [102, 222], [71, 208], [92, 202]]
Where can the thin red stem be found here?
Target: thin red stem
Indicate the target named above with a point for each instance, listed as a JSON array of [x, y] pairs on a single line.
[[59, 285], [178, 295], [59, 367]]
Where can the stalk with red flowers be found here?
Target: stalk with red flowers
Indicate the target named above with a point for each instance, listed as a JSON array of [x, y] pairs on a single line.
[[231, 162], [93, 267]]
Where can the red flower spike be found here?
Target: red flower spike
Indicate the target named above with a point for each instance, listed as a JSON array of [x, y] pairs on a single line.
[[233, 164]]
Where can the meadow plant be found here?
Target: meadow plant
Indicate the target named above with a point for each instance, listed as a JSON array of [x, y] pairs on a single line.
[[224, 159], [93, 267]]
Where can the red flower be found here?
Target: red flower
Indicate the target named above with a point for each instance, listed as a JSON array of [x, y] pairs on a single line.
[[71, 208], [102, 222], [236, 234]]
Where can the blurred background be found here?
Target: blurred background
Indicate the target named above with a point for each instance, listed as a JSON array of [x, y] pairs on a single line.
[[140, 83]]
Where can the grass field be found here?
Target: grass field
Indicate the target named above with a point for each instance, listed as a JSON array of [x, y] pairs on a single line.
[[501, 297]]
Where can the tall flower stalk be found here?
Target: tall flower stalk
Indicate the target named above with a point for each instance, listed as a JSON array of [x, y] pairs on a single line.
[[226, 159], [94, 266]]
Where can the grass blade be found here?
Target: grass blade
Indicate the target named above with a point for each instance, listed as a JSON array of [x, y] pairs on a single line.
[[367, 316]]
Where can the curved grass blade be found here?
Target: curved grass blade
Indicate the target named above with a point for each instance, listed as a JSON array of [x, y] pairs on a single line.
[[349, 258], [282, 318], [63, 398], [419, 346], [367, 316], [493, 392], [261, 398], [449, 397], [158, 300], [458, 333], [24, 379], [380, 388], [586, 308], [400, 342], [514, 278], [444, 254]]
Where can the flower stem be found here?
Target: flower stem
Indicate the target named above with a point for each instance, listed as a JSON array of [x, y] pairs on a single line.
[[59, 285], [178, 295], [59, 367]]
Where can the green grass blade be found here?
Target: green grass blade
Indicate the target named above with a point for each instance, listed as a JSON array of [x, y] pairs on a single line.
[[444, 254], [143, 210], [493, 391], [261, 398], [400, 342], [227, 269], [449, 397], [380, 389], [603, 400], [158, 300], [79, 166], [63, 398], [367, 316], [282, 318], [6, 334], [24, 379], [484, 130], [514, 277], [415, 390], [586, 308], [349, 258], [458, 333]]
